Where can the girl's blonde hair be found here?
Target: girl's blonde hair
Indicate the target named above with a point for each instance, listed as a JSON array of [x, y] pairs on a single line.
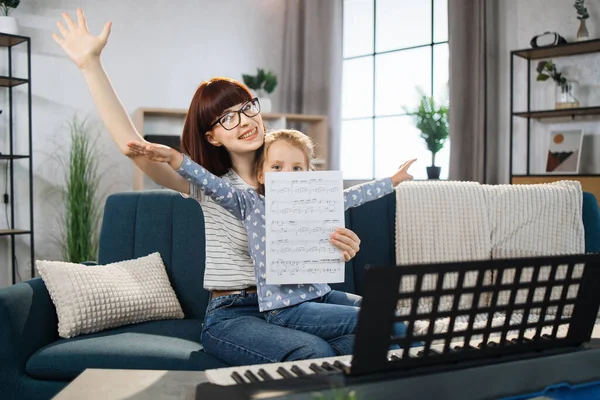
[[291, 136]]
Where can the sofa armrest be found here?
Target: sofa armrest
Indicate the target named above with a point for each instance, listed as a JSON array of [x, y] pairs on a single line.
[[28, 322], [591, 223]]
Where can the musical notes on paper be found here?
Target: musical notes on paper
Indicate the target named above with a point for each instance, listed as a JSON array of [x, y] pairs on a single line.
[[304, 206], [314, 227], [320, 271], [295, 187], [302, 209]]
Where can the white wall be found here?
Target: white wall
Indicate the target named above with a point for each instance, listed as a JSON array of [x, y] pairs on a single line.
[[519, 21], [158, 53]]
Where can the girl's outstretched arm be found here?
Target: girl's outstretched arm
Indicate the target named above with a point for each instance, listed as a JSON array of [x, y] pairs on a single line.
[[84, 50], [234, 200], [360, 194]]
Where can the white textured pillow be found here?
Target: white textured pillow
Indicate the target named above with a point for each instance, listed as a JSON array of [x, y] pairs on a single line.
[[92, 298]]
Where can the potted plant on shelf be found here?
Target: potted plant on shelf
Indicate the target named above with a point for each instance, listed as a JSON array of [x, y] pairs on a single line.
[[263, 84], [582, 15], [565, 90], [431, 119], [8, 24]]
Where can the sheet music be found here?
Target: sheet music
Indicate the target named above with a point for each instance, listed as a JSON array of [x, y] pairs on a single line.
[[302, 209]]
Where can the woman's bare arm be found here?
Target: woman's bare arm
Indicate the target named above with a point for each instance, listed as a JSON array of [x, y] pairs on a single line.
[[84, 50]]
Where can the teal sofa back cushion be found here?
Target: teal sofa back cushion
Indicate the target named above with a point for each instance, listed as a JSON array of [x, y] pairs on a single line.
[[135, 226]]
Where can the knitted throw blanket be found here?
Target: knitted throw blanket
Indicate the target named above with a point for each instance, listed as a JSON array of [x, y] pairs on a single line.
[[535, 220], [444, 221], [441, 222]]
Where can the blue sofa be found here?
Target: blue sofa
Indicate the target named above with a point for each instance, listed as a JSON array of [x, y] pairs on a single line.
[[35, 363]]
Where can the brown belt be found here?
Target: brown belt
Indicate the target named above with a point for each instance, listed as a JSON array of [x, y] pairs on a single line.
[[218, 293]]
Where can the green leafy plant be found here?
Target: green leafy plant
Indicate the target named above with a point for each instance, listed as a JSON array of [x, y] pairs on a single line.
[[81, 199], [263, 80], [547, 69], [582, 12], [6, 5], [431, 119]]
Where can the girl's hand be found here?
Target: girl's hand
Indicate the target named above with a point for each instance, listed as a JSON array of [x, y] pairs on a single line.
[[402, 174], [347, 241], [156, 152], [76, 41]]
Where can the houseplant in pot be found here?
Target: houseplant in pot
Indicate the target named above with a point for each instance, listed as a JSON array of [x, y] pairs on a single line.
[[431, 119], [8, 24], [263, 84]]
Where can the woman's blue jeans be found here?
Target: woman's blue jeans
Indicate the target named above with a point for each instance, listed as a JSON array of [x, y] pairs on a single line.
[[330, 316], [236, 332], [239, 334]]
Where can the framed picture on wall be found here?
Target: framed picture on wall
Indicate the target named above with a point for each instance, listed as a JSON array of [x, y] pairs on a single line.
[[564, 151]]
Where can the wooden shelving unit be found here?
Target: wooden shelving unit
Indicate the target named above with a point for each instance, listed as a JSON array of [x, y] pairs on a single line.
[[5, 232], [12, 156], [316, 128], [563, 50], [589, 182], [565, 112], [8, 156]]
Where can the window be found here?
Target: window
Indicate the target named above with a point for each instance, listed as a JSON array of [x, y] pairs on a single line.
[[390, 48]]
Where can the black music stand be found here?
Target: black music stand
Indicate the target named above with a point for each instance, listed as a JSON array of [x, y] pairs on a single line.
[[557, 291]]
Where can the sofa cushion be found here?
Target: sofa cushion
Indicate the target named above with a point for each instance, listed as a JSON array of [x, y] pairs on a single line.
[[162, 221], [91, 299], [374, 223], [164, 345]]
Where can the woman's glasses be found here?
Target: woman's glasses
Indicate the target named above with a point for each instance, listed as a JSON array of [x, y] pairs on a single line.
[[233, 118]]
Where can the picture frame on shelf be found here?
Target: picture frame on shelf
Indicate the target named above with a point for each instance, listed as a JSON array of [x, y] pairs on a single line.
[[564, 151]]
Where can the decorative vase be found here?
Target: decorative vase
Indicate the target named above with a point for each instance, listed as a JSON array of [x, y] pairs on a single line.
[[565, 95], [433, 172], [9, 25], [264, 100], [582, 32], [265, 104]]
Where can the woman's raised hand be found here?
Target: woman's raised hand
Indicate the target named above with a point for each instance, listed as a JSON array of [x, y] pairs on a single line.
[[156, 152], [76, 40]]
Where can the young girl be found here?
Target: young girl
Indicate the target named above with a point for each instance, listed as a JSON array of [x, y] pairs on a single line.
[[234, 329], [297, 306]]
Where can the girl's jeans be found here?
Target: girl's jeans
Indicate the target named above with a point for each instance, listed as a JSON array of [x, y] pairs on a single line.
[[330, 316], [237, 333]]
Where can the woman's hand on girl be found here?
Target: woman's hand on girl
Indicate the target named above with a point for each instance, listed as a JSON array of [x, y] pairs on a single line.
[[347, 241], [402, 174], [77, 42], [156, 152]]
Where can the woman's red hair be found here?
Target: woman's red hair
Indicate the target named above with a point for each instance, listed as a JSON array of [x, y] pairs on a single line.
[[211, 99]]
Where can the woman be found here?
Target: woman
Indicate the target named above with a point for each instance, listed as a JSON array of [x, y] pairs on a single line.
[[224, 139], [307, 306]]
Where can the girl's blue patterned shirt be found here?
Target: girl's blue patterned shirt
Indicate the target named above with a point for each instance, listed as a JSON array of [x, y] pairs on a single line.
[[249, 206]]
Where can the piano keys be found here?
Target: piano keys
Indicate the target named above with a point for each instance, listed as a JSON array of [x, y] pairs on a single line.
[[330, 365]]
